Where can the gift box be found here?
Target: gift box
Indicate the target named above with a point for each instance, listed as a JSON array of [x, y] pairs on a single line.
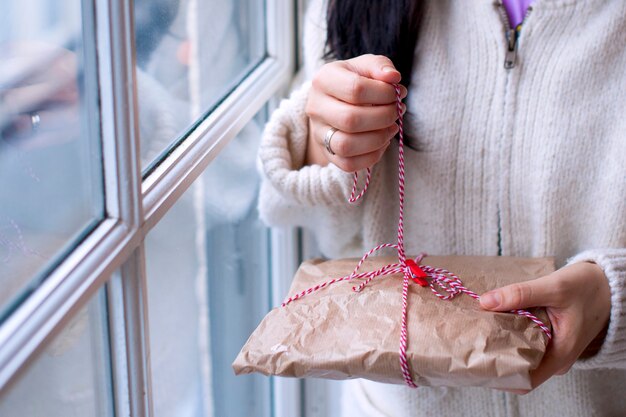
[[337, 333]]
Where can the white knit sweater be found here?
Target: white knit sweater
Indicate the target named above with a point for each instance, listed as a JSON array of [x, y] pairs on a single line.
[[529, 161]]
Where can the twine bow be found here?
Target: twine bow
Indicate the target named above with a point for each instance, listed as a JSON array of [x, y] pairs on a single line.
[[444, 284]]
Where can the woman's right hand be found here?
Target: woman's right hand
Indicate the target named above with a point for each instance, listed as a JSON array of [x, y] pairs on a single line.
[[356, 97]]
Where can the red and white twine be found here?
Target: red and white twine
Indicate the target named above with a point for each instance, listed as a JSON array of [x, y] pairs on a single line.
[[444, 284]]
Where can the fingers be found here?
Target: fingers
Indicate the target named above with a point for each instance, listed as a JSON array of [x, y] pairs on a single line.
[[578, 301], [342, 83], [559, 358], [345, 144], [359, 162], [541, 292], [350, 118], [357, 98], [557, 361], [564, 369], [366, 79], [355, 151], [377, 67]]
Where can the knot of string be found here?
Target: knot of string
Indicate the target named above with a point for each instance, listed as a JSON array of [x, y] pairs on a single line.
[[444, 284]]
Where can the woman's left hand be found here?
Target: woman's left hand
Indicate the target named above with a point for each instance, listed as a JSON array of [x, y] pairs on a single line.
[[578, 301]]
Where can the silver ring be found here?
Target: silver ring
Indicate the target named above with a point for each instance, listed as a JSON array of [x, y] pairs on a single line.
[[35, 121], [327, 139]]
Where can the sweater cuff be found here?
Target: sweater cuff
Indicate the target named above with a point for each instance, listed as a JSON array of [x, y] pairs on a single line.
[[282, 154], [612, 354]]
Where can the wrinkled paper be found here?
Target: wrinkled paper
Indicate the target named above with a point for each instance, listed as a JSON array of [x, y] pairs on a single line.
[[337, 333]]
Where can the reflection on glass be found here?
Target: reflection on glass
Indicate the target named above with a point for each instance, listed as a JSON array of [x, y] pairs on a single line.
[[71, 377], [50, 164], [208, 288], [190, 54]]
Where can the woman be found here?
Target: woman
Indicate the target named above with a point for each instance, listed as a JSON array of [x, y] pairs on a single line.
[[519, 150]]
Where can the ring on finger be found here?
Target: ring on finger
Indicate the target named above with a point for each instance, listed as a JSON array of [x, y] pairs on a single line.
[[327, 138]]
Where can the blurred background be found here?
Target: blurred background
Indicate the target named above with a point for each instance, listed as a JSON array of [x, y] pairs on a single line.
[[207, 261]]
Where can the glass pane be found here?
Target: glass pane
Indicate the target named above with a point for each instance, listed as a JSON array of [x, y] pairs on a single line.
[[71, 377], [208, 288], [190, 55], [51, 191]]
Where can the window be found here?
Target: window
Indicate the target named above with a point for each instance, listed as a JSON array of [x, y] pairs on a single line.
[[208, 287], [129, 240], [77, 360], [190, 54], [50, 160]]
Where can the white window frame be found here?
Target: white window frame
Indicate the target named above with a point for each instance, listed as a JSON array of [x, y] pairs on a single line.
[[114, 252]]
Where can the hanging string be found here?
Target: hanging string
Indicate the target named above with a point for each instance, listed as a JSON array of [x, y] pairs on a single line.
[[443, 283]]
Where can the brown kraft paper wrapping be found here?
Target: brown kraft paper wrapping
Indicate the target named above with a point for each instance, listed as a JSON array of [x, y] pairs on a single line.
[[337, 333]]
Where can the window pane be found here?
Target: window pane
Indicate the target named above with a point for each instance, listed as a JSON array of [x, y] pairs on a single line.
[[190, 54], [208, 288], [51, 191], [71, 377]]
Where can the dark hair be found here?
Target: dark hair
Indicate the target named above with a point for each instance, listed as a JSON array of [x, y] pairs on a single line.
[[382, 27]]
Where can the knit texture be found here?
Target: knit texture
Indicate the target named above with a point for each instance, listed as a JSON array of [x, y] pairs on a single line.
[[529, 161]]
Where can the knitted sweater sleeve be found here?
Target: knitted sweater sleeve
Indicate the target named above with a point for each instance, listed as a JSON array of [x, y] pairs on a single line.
[[311, 196], [612, 354]]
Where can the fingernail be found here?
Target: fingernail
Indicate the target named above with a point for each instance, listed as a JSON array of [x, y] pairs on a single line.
[[490, 300], [388, 68]]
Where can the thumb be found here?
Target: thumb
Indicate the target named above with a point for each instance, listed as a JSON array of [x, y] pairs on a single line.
[[536, 293], [377, 67]]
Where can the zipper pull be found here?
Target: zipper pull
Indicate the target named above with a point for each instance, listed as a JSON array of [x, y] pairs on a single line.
[[512, 36]]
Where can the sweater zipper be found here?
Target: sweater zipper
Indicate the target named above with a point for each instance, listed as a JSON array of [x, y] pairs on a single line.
[[512, 35]]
